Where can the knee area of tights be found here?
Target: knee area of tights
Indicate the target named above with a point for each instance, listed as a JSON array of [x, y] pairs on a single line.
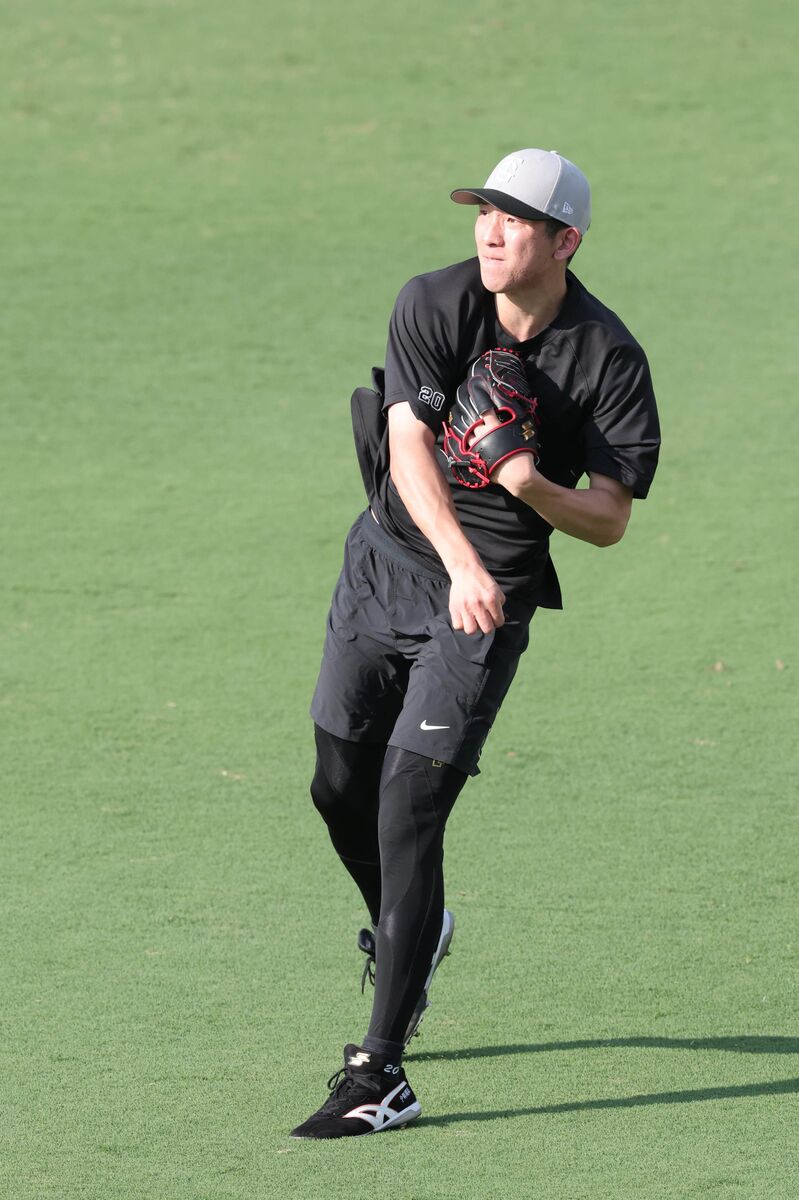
[[325, 798]]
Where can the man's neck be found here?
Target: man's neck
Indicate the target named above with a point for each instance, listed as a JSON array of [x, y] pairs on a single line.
[[523, 315]]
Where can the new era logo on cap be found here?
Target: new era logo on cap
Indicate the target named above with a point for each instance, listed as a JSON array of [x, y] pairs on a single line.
[[534, 184]]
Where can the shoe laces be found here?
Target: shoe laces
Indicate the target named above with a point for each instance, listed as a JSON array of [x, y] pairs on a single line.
[[366, 942], [336, 1080], [368, 973], [342, 1083]]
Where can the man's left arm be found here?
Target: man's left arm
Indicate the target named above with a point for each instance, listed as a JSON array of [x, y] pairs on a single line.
[[596, 514], [621, 437]]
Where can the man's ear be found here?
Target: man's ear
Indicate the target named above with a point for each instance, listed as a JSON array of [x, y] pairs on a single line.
[[568, 241]]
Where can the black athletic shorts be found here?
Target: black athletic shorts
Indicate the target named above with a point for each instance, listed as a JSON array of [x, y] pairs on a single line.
[[394, 671]]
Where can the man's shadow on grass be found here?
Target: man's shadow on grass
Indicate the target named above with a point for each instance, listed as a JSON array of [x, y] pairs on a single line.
[[739, 1045]]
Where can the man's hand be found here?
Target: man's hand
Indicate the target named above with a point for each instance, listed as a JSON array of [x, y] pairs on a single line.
[[515, 473], [475, 600]]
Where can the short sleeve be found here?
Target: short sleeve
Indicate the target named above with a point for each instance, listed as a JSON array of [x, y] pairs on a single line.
[[622, 433], [419, 357]]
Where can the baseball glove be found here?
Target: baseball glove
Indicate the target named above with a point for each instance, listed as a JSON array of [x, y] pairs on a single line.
[[496, 384]]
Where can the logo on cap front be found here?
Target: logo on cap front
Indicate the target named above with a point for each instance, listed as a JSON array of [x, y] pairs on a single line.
[[510, 169]]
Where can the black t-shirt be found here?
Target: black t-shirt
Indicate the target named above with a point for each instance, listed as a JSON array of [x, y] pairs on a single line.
[[596, 405]]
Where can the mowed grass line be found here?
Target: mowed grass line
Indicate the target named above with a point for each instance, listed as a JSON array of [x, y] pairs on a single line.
[[208, 213]]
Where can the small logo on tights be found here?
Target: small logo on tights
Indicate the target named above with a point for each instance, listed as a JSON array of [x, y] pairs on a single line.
[[427, 727]]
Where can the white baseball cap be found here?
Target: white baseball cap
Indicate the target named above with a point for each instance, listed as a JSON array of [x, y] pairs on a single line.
[[534, 184]]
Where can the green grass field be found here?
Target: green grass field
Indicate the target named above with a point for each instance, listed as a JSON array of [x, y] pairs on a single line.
[[207, 211]]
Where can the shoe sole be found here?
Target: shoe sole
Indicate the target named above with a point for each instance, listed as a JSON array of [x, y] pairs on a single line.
[[396, 1122], [408, 1114]]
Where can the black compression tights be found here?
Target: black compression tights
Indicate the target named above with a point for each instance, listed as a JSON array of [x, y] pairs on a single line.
[[385, 810]]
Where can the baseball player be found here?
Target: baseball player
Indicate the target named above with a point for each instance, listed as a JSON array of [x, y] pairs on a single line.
[[505, 382]]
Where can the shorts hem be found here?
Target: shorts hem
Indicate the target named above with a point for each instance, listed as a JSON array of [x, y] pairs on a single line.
[[468, 767], [345, 733]]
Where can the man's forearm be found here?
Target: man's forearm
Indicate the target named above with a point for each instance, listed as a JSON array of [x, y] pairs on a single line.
[[597, 514], [428, 499]]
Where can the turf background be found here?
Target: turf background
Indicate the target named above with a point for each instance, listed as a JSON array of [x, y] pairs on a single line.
[[207, 211]]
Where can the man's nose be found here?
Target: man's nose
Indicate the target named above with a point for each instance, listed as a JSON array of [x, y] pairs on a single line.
[[492, 229]]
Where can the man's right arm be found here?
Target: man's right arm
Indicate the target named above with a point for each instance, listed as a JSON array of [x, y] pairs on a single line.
[[475, 600]]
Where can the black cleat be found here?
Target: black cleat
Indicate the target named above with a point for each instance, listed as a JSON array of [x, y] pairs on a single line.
[[369, 1094], [442, 950], [366, 943]]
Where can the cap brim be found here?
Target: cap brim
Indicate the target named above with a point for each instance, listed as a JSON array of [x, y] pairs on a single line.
[[502, 201]]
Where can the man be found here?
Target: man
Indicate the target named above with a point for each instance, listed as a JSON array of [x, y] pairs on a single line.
[[444, 571]]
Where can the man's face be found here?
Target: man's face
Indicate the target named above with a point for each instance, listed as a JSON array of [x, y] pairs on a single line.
[[514, 254]]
